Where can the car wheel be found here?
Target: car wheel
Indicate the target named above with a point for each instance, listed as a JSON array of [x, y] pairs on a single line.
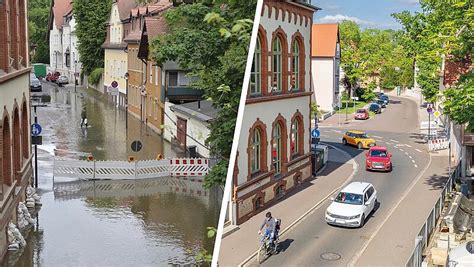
[[362, 221], [344, 141], [359, 145]]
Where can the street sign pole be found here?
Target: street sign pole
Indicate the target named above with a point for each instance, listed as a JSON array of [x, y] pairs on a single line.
[[36, 155], [429, 126]]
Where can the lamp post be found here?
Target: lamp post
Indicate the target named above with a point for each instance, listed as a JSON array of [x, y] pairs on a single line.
[[75, 77], [397, 69], [126, 100]]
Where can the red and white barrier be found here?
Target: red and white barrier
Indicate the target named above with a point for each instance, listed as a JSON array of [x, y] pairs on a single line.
[[438, 144], [189, 167]]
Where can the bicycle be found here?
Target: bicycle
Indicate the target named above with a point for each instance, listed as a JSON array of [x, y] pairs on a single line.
[[267, 248]]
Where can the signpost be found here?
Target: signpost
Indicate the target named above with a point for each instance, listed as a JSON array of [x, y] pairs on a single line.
[[35, 129], [429, 109]]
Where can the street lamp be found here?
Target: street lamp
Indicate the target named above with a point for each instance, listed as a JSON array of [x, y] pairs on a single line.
[[126, 99], [397, 69], [75, 77]]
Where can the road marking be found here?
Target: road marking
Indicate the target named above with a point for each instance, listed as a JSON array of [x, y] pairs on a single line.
[[407, 145], [406, 153], [355, 167], [358, 254], [377, 136], [336, 131], [401, 149], [388, 143], [413, 160], [410, 157], [395, 141], [416, 166], [418, 150]]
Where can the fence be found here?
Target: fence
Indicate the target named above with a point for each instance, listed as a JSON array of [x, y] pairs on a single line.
[[421, 240], [117, 170], [438, 144]]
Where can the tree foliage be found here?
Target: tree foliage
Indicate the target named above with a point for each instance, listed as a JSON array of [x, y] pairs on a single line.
[[211, 39], [459, 103], [91, 16], [38, 12]]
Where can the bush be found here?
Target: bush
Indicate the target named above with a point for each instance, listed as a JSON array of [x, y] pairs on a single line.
[[95, 76], [314, 110]]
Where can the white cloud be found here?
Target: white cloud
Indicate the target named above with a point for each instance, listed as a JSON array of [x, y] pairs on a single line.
[[410, 2], [340, 17]]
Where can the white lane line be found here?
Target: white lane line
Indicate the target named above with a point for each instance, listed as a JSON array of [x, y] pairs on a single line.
[[356, 257], [410, 157], [406, 153], [407, 145], [388, 143], [416, 166], [413, 160], [401, 149], [377, 136], [336, 131], [417, 150], [395, 141]]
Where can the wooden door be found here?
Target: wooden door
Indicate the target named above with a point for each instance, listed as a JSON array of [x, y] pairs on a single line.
[[181, 131]]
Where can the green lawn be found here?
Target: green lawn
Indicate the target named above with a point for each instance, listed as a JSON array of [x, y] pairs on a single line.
[[350, 106]]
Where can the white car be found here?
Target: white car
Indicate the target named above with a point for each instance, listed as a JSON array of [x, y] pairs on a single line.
[[352, 205]]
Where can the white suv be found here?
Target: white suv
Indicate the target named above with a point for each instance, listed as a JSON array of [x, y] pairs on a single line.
[[352, 205]]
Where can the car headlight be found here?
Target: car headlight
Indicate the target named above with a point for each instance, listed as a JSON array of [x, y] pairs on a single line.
[[354, 217], [328, 214]]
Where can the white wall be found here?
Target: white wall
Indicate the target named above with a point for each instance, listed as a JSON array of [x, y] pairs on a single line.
[[267, 112], [169, 124], [197, 130], [323, 82]]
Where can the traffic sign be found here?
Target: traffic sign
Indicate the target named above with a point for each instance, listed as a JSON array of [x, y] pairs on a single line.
[[114, 84], [437, 114], [136, 145], [429, 109], [315, 133], [35, 129]]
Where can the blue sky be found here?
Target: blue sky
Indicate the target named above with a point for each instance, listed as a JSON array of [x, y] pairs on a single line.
[[367, 13]]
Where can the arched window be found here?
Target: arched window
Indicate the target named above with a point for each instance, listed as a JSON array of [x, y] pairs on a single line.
[[258, 203], [277, 65], [255, 151], [294, 137], [280, 191], [277, 149], [24, 131], [256, 76], [295, 66]]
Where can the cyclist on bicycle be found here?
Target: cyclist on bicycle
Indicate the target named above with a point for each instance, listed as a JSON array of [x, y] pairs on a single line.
[[269, 223]]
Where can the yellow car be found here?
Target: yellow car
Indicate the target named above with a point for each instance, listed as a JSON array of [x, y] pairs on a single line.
[[358, 138]]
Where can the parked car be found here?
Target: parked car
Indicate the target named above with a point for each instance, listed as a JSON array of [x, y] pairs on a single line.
[[378, 159], [376, 108], [352, 205], [52, 76], [63, 79], [378, 94], [385, 99], [361, 114], [358, 138], [381, 103], [35, 84], [462, 255]]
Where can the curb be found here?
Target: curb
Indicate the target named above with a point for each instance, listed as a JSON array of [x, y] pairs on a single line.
[[355, 167]]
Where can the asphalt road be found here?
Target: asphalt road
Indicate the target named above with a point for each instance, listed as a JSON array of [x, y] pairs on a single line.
[[315, 243]]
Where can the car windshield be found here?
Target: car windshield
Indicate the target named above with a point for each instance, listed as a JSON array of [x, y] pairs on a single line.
[[470, 247], [378, 153], [349, 198], [374, 105], [361, 111], [361, 135]]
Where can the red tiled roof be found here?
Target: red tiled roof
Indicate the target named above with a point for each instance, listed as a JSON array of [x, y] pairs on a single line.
[[155, 27], [124, 7], [61, 8], [324, 38]]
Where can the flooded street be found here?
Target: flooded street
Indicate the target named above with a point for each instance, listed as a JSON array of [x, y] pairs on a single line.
[[149, 222]]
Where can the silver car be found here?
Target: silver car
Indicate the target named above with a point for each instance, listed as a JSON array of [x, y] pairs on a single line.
[[63, 79], [35, 84]]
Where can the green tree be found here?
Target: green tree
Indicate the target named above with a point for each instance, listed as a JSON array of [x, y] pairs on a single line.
[[459, 103], [350, 54], [91, 16], [38, 12], [210, 39]]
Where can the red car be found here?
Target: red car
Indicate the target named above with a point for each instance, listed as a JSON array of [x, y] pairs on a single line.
[[378, 159], [52, 77], [361, 114]]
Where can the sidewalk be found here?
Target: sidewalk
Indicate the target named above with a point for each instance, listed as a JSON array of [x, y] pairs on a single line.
[[394, 247], [241, 244]]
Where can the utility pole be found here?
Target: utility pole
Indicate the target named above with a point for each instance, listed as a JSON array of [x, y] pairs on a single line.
[[75, 77], [36, 153]]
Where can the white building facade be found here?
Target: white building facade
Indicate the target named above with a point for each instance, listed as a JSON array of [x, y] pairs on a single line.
[[273, 155], [64, 45], [325, 65]]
